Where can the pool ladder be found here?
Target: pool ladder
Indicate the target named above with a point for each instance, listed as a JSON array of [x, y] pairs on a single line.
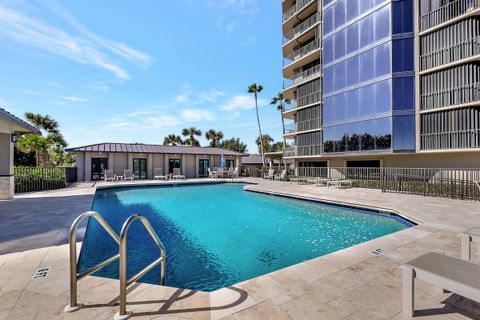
[[75, 276]]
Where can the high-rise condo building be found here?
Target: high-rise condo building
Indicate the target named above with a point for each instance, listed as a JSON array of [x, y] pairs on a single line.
[[382, 82]]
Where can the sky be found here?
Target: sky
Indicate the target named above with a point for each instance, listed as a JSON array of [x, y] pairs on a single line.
[[136, 71]]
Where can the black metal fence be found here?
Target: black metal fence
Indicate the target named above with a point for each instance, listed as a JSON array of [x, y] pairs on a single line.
[[436, 182], [29, 179]]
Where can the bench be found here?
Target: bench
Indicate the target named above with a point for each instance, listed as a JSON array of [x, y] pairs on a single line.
[[449, 273], [340, 183]]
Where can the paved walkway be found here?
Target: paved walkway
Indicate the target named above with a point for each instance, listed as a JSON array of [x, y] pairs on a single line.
[[348, 284]]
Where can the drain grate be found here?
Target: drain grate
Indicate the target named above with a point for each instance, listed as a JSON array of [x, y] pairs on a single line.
[[378, 251], [41, 273]]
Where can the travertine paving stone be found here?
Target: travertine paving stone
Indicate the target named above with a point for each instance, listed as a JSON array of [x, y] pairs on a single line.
[[349, 284]]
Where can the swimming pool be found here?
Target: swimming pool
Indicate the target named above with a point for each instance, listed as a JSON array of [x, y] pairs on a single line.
[[218, 234]]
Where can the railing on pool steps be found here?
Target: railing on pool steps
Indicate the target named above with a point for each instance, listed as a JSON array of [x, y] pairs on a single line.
[[75, 276]]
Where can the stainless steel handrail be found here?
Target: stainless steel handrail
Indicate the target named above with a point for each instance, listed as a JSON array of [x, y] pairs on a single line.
[[124, 282], [74, 276]]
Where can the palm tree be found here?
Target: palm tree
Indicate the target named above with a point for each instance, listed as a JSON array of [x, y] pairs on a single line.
[[172, 140], [191, 133], [214, 137], [264, 144], [255, 90], [280, 99], [50, 141]]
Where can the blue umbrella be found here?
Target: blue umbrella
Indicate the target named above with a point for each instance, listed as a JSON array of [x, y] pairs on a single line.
[[222, 161]]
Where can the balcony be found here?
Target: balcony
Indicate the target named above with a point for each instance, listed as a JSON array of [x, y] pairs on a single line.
[[302, 52], [302, 77], [460, 139], [447, 12], [289, 151], [309, 99], [313, 150], [296, 8], [302, 27], [451, 97], [452, 53]]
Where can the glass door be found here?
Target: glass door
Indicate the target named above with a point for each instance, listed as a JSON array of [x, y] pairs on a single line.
[[140, 168], [99, 165], [203, 165], [173, 163]]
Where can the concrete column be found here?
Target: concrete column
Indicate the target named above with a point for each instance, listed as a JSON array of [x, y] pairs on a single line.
[[7, 183], [197, 166], [130, 161], [183, 164], [212, 162], [111, 160], [167, 157], [88, 166], [150, 166]]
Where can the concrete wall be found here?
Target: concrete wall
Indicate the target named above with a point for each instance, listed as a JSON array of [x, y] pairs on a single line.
[[80, 162], [119, 163], [6, 155]]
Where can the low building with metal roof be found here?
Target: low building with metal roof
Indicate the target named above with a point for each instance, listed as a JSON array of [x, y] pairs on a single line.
[[142, 159]]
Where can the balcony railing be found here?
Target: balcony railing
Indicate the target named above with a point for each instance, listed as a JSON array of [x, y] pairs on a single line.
[[292, 105], [302, 52], [302, 27], [447, 12], [460, 139], [302, 76], [290, 12], [309, 99], [449, 97], [290, 128], [313, 150], [303, 126], [289, 151], [452, 53]]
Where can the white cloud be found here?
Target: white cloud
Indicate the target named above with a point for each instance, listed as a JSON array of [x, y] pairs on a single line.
[[100, 88], [87, 48], [242, 102], [199, 115], [181, 98], [74, 99]]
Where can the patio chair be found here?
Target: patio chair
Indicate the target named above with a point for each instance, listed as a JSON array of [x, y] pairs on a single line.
[[453, 274], [109, 176], [477, 183], [270, 175], [177, 174], [220, 172], [158, 174], [282, 176], [212, 174], [230, 172], [128, 175]]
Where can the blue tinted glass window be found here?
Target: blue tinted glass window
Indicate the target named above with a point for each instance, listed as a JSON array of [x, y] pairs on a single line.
[[352, 38], [383, 133], [328, 50], [366, 31], [367, 68], [340, 143], [339, 8], [367, 100], [328, 110], [352, 104], [365, 5], [326, 2], [367, 135], [382, 23], [339, 44], [352, 74], [403, 93], [382, 96], [340, 105], [329, 140], [328, 78], [402, 16], [353, 138], [382, 60], [340, 76], [352, 9], [403, 55], [404, 133], [328, 21]]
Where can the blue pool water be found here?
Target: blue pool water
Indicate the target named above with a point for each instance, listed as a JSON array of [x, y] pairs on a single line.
[[217, 235]]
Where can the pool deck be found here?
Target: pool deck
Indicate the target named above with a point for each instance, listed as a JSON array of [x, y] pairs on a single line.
[[347, 284]]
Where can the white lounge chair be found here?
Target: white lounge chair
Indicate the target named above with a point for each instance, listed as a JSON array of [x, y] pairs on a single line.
[[212, 174], [109, 176], [340, 183], [282, 176], [270, 175], [449, 273], [128, 175], [230, 172], [478, 184], [158, 174], [177, 174], [220, 173]]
